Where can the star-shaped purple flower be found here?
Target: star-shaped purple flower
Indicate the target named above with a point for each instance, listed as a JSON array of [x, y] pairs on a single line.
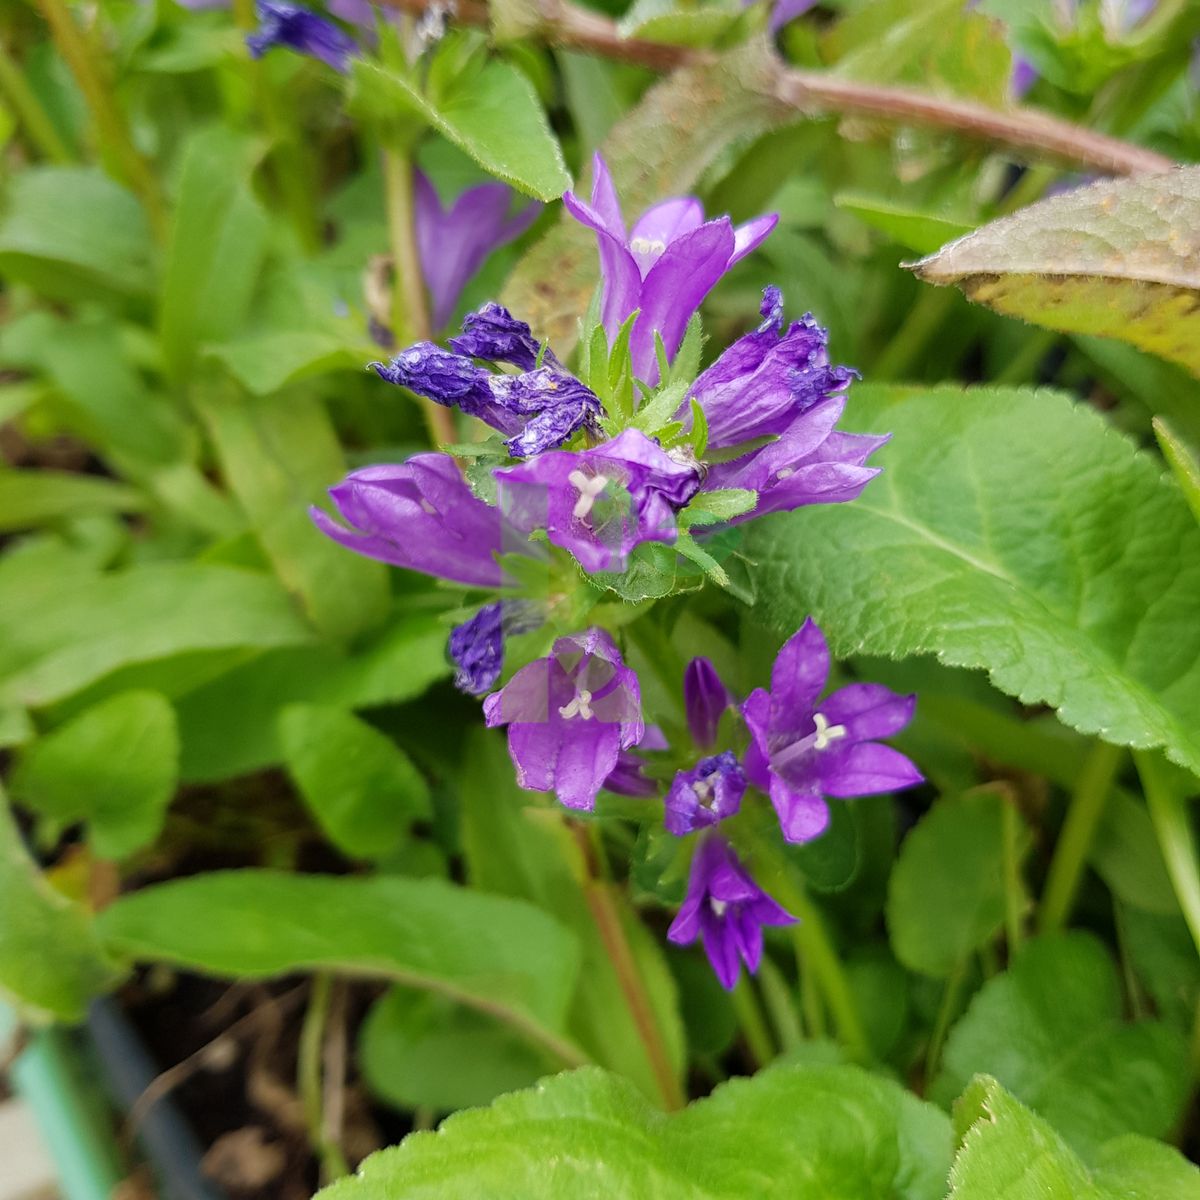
[[711, 791], [421, 514], [569, 716], [727, 910], [663, 268], [599, 504], [300, 29], [803, 749], [453, 242]]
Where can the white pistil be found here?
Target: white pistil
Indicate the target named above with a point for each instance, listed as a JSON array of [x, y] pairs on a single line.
[[589, 489], [826, 733], [641, 245], [580, 707], [718, 906]]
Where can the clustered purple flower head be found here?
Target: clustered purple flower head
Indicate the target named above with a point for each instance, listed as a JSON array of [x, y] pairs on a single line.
[[663, 268], [300, 29], [601, 503], [453, 242], [804, 749], [538, 409], [727, 910], [421, 515], [569, 716]]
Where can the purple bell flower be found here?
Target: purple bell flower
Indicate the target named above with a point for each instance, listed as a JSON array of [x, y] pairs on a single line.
[[569, 716], [811, 463], [421, 515], [453, 243], [300, 29], [800, 753], [601, 503], [477, 648], [705, 699], [727, 910], [711, 791], [663, 268], [767, 378]]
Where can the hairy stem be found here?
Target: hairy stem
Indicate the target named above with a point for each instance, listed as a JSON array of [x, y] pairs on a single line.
[[1075, 839], [309, 1079], [1023, 129], [28, 108], [87, 67], [410, 314], [1172, 823]]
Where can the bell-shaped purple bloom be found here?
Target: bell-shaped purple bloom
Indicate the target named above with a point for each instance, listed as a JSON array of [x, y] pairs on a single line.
[[663, 268], [711, 791], [477, 648], [453, 243], [421, 515], [727, 910], [767, 378], [300, 29], [705, 699], [569, 716], [599, 504], [803, 749], [810, 463]]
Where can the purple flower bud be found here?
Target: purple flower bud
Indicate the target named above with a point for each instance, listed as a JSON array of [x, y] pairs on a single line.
[[663, 268], [705, 699], [299, 29], [453, 243], [802, 750], [569, 716], [477, 648], [495, 335], [599, 504], [711, 791], [727, 910], [421, 515]]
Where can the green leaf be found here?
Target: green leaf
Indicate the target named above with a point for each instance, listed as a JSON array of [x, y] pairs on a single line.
[[652, 154], [1008, 1153], [830, 863], [723, 504], [71, 232], [517, 847], [422, 1051], [114, 766], [1050, 1030], [677, 25], [1125, 853], [1015, 531], [51, 963], [923, 232], [229, 725], [217, 245], [1183, 462], [946, 893], [279, 458], [267, 362], [39, 497], [1113, 259], [500, 956], [801, 1132], [361, 787], [493, 114], [74, 637], [1163, 956]]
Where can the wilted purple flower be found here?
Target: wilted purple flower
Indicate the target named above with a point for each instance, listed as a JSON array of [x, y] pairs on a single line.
[[727, 910], [711, 791], [799, 753], [664, 268], [601, 503], [300, 29], [705, 699], [453, 243], [539, 409], [421, 515], [811, 463], [477, 648], [767, 378], [569, 716]]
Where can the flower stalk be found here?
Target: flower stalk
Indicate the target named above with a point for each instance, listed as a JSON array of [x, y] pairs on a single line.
[[310, 1079], [29, 110]]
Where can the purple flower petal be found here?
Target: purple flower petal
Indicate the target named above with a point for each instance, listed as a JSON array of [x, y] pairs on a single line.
[[622, 281], [797, 679], [865, 769], [298, 28], [803, 815], [495, 335], [659, 226], [750, 236], [868, 711], [756, 712]]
